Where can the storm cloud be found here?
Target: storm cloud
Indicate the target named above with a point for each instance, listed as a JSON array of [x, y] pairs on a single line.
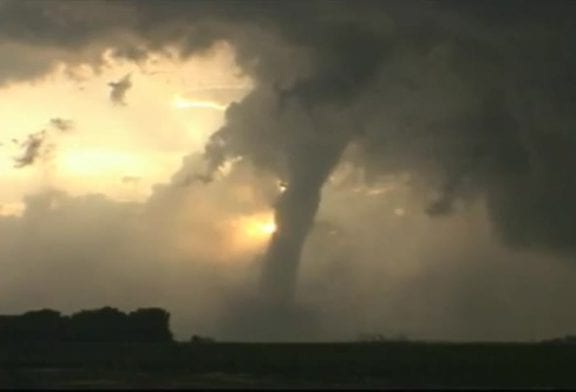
[[471, 101]]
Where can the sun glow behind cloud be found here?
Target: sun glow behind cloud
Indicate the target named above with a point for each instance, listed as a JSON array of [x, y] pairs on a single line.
[[251, 233], [259, 226], [146, 139]]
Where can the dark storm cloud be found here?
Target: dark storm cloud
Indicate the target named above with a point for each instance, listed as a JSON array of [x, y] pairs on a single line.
[[119, 90], [37, 36], [434, 89]]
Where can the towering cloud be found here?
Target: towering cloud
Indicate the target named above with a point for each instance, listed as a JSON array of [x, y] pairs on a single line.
[[433, 88]]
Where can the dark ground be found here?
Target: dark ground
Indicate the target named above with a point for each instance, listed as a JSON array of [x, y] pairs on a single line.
[[238, 365]]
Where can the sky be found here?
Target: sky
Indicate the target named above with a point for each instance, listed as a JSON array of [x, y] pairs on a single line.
[[381, 167]]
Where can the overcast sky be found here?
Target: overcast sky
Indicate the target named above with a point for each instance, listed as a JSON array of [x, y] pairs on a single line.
[[292, 170]]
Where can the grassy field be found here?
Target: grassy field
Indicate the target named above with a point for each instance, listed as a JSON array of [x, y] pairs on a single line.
[[239, 365]]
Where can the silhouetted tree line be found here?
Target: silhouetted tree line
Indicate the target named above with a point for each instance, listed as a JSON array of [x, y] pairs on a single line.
[[100, 325]]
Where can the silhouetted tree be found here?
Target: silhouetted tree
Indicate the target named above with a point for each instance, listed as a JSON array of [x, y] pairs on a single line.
[[150, 325], [46, 325], [100, 325], [7, 324], [39, 325], [197, 339]]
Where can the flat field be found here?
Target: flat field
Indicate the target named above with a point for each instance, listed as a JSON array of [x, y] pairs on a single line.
[[287, 365]]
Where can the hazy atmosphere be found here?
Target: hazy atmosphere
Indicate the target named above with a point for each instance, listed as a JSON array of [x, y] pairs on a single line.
[[293, 170]]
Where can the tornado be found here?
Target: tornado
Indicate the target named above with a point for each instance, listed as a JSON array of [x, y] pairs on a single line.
[[312, 155], [294, 215]]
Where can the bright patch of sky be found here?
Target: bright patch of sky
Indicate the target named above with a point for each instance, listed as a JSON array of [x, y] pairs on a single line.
[[118, 150]]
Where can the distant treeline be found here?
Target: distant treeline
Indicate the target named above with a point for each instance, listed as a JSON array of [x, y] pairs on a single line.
[[99, 325]]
